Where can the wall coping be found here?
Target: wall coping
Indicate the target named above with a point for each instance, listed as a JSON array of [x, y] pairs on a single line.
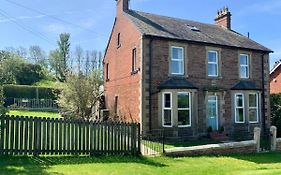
[[213, 146]]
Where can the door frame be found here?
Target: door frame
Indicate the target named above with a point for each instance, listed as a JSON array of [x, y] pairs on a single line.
[[217, 111]]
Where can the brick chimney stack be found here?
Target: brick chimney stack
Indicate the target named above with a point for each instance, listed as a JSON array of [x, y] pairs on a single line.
[[122, 5], [223, 18]]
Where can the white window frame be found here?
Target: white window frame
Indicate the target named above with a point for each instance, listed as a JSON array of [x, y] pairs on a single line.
[[185, 109], [175, 59], [257, 107], [213, 63], [165, 108], [244, 65], [243, 107]]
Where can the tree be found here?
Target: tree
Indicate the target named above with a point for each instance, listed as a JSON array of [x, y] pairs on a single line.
[[9, 63], [3, 110], [27, 74], [275, 101], [38, 56], [59, 58], [80, 95]]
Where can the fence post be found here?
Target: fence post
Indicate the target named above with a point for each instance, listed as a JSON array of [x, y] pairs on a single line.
[[273, 131], [257, 137], [139, 139]]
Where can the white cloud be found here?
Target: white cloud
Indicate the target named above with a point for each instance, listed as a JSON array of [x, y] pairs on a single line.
[[56, 28]]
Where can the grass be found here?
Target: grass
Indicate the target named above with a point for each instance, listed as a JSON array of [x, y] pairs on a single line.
[[258, 164], [34, 113]]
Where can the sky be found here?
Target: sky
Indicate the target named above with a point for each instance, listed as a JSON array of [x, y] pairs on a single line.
[[37, 22]]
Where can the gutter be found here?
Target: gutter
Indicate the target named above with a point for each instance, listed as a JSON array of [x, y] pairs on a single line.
[[263, 96]]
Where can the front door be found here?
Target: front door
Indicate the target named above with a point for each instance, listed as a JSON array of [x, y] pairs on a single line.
[[213, 112]]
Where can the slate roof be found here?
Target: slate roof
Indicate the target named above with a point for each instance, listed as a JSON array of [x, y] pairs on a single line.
[[174, 28], [176, 83], [245, 85]]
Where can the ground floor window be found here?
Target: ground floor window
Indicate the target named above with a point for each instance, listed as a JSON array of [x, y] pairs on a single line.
[[246, 107], [184, 111], [167, 109], [176, 107], [253, 108]]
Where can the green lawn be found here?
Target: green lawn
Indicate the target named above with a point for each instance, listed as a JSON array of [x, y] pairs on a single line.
[[257, 164], [34, 113]]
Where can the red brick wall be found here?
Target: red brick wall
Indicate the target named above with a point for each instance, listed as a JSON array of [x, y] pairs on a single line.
[[121, 83], [275, 81]]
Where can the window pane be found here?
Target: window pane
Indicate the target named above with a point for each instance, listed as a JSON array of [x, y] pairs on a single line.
[[212, 109], [167, 100], [212, 70], [183, 117], [253, 100], [177, 53], [253, 115], [244, 72], [183, 100], [239, 115], [243, 60], [239, 101], [167, 117], [212, 57], [177, 67]]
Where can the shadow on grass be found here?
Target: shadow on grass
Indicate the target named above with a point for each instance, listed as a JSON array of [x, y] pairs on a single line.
[[39, 165]]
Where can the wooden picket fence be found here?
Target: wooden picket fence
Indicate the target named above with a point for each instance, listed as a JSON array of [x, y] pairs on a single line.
[[44, 136]]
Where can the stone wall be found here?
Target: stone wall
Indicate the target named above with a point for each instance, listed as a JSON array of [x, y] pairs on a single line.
[[243, 147]]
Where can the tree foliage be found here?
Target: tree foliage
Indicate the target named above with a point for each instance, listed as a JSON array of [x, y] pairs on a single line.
[[275, 101], [80, 95], [38, 56], [59, 58], [27, 74], [3, 110]]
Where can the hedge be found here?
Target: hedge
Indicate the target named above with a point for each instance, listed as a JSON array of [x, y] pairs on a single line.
[[30, 92]]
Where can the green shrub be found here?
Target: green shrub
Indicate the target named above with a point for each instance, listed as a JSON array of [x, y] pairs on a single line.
[[30, 92], [275, 101]]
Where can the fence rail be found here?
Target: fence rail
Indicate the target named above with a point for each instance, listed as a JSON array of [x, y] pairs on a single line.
[[41, 136]]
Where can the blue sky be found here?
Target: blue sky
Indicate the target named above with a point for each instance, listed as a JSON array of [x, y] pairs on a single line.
[[90, 21]]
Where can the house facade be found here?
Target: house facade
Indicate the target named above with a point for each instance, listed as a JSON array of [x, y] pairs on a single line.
[[275, 78], [185, 76]]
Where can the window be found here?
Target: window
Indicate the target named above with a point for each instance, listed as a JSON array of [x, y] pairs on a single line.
[[116, 105], [167, 110], [253, 108], [244, 66], [177, 64], [212, 63], [118, 40], [107, 71], [239, 108], [184, 112], [134, 54]]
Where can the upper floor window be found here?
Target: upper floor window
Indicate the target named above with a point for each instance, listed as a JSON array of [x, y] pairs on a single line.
[[239, 108], [177, 60], [244, 66], [212, 63], [107, 71], [134, 60], [118, 40]]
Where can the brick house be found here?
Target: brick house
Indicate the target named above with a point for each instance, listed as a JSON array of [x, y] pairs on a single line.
[[185, 76], [275, 78]]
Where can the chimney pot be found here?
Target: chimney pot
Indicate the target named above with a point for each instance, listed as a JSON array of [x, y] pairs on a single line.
[[223, 18]]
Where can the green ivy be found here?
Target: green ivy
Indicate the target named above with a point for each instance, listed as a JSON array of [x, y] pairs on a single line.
[[275, 101]]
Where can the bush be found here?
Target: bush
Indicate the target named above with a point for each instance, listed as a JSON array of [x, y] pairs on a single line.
[[30, 92], [275, 100]]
